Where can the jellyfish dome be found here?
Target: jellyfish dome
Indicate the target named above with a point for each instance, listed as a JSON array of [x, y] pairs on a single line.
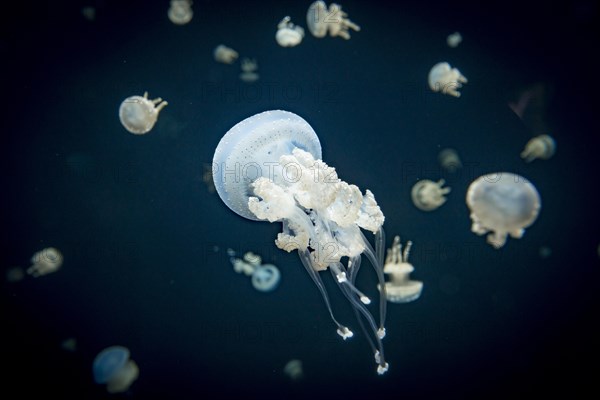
[[113, 367], [503, 204], [265, 278], [268, 168]]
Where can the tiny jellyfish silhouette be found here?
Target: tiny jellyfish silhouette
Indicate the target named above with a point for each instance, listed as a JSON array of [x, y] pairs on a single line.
[[249, 67], [265, 278], [288, 34], [542, 147], [445, 79], [454, 39], [400, 289], [139, 114], [449, 160], [224, 54], [428, 195], [89, 13], [320, 21], [503, 204], [322, 215], [293, 369], [45, 262], [113, 368], [180, 12]]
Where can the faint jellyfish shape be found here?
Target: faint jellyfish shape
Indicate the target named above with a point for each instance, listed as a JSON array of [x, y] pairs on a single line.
[[113, 367], [449, 160], [139, 114], [249, 67], [320, 20], [428, 195], [502, 204], [400, 289], [15, 274], [224, 54], [180, 12], [545, 252], [454, 39], [270, 169], [446, 79], [89, 13], [265, 278], [69, 344], [293, 369], [288, 34], [45, 261], [542, 147]]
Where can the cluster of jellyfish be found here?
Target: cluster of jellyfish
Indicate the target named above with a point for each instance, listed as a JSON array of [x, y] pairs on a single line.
[[264, 277]]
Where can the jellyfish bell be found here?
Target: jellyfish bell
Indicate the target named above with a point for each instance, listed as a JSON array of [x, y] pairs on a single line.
[[180, 12], [502, 204], [315, 19], [265, 278], [138, 114], [428, 195], [45, 261], [400, 289], [443, 78], [542, 147], [288, 34], [113, 367]]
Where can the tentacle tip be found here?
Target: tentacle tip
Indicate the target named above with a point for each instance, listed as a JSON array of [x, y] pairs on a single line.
[[365, 300], [381, 333], [382, 369]]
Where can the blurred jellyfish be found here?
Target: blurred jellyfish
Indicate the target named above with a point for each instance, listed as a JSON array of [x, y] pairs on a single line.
[[89, 13], [45, 261], [320, 20], [180, 12], [545, 251], [249, 67], [138, 114], [449, 160], [265, 278], [542, 147], [288, 34], [428, 195], [15, 274], [113, 367], [445, 79], [502, 204], [400, 289], [224, 54], [454, 39], [293, 369]]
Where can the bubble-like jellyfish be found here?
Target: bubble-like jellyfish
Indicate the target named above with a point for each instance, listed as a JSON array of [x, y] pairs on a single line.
[[293, 369], [224, 54], [502, 204], [400, 289], [180, 12], [320, 20], [113, 368], [45, 261], [249, 67], [265, 277], [288, 34], [454, 39], [268, 168], [445, 79], [542, 147], [139, 114], [449, 160], [428, 195]]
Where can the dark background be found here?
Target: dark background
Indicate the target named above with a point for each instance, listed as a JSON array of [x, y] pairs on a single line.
[[138, 226]]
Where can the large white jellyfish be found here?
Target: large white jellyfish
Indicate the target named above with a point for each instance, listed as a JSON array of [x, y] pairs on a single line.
[[443, 78], [503, 204], [139, 114], [113, 368], [320, 20], [45, 262], [288, 34], [268, 168]]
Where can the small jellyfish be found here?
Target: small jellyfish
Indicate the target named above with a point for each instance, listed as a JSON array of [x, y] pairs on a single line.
[[288, 34], [113, 367], [15, 274], [454, 39], [400, 289], [180, 12], [139, 114], [293, 369], [449, 160], [542, 147], [502, 204], [224, 54], [320, 20], [249, 67], [445, 79], [265, 278], [428, 195], [45, 261]]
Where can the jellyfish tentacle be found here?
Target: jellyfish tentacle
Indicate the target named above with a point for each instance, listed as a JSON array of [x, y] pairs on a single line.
[[378, 267]]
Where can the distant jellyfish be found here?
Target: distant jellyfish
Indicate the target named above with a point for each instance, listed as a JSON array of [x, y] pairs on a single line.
[[139, 114], [265, 278], [45, 261], [400, 289], [542, 147], [449, 160], [89, 13], [113, 368], [224, 54], [445, 79], [249, 67], [454, 39], [15, 274], [320, 20], [180, 12], [545, 252], [503, 204], [293, 369], [69, 344], [288, 34], [428, 195]]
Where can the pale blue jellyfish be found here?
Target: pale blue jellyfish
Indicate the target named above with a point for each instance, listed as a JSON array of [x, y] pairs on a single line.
[[113, 367], [268, 168], [264, 277]]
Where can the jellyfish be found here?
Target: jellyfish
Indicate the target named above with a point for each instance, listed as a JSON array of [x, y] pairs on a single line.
[[502, 204], [320, 20], [138, 114], [449, 160], [113, 367], [180, 12], [249, 67], [293, 369], [224, 54], [454, 39], [265, 278], [446, 79], [542, 147], [268, 167], [45, 261], [428, 195], [400, 289], [288, 34]]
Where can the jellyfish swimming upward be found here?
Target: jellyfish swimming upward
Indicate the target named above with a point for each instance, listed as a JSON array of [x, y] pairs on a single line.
[[268, 168]]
